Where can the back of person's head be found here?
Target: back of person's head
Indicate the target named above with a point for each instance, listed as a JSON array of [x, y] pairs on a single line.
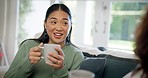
[[55, 7], [141, 42]]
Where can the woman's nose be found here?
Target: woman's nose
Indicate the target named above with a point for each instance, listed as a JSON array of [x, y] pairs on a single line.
[[58, 27]]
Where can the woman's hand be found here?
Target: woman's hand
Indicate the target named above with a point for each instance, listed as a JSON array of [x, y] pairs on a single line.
[[57, 59], [35, 54]]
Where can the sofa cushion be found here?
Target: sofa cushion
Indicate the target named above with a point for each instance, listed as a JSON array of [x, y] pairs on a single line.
[[95, 65], [117, 67]]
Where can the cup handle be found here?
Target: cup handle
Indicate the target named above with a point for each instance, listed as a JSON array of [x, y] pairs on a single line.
[[42, 56]]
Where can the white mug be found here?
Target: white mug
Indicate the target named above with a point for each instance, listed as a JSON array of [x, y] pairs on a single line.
[[49, 48], [81, 74]]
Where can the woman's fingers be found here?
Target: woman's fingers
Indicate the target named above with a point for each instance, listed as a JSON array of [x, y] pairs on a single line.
[[34, 60], [40, 46], [56, 56], [59, 50], [56, 59], [57, 65], [35, 54]]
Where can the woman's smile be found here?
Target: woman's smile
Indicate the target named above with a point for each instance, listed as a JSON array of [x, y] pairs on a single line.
[[58, 35]]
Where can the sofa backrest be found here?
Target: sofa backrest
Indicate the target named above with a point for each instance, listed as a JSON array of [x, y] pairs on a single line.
[[94, 65], [117, 67], [108, 66]]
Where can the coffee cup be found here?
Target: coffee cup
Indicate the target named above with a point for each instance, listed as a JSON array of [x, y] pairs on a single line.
[[81, 74], [49, 48]]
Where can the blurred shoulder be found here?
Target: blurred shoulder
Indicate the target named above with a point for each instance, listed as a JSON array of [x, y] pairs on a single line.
[[71, 47], [29, 42]]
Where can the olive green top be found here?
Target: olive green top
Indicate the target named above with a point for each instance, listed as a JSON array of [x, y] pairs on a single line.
[[22, 68]]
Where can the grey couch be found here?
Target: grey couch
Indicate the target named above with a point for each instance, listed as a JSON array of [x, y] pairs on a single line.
[[108, 66], [102, 65]]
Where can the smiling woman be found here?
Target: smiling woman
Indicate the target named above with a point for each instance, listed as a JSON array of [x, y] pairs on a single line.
[[58, 26], [57, 30]]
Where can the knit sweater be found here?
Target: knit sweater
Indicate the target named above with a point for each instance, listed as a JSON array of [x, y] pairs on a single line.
[[22, 68]]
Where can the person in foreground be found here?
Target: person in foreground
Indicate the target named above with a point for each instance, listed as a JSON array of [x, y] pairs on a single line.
[[28, 62], [141, 49]]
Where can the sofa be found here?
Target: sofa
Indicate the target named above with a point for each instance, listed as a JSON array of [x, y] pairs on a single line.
[[105, 65]]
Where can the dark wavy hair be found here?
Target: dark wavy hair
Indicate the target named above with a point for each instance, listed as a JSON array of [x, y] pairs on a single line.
[[141, 43], [44, 38]]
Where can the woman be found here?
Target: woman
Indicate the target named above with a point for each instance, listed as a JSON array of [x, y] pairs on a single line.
[[57, 30], [141, 49]]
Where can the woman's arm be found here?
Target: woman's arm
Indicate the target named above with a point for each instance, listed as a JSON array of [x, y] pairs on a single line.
[[21, 66]]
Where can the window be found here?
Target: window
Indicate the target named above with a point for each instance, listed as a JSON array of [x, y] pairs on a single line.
[[107, 23], [82, 17], [125, 17], [83, 20], [31, 20]]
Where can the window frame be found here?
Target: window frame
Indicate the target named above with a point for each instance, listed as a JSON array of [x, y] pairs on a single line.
[[102, 26]]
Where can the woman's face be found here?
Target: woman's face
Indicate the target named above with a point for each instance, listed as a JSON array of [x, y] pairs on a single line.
[[58, 25]]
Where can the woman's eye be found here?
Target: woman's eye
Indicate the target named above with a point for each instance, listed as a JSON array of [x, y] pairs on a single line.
[[53, 22], [64, 23]]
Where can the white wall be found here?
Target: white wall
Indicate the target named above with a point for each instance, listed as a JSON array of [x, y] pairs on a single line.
[[80, 16], [2, 18], [101, 29], [8, 26]]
